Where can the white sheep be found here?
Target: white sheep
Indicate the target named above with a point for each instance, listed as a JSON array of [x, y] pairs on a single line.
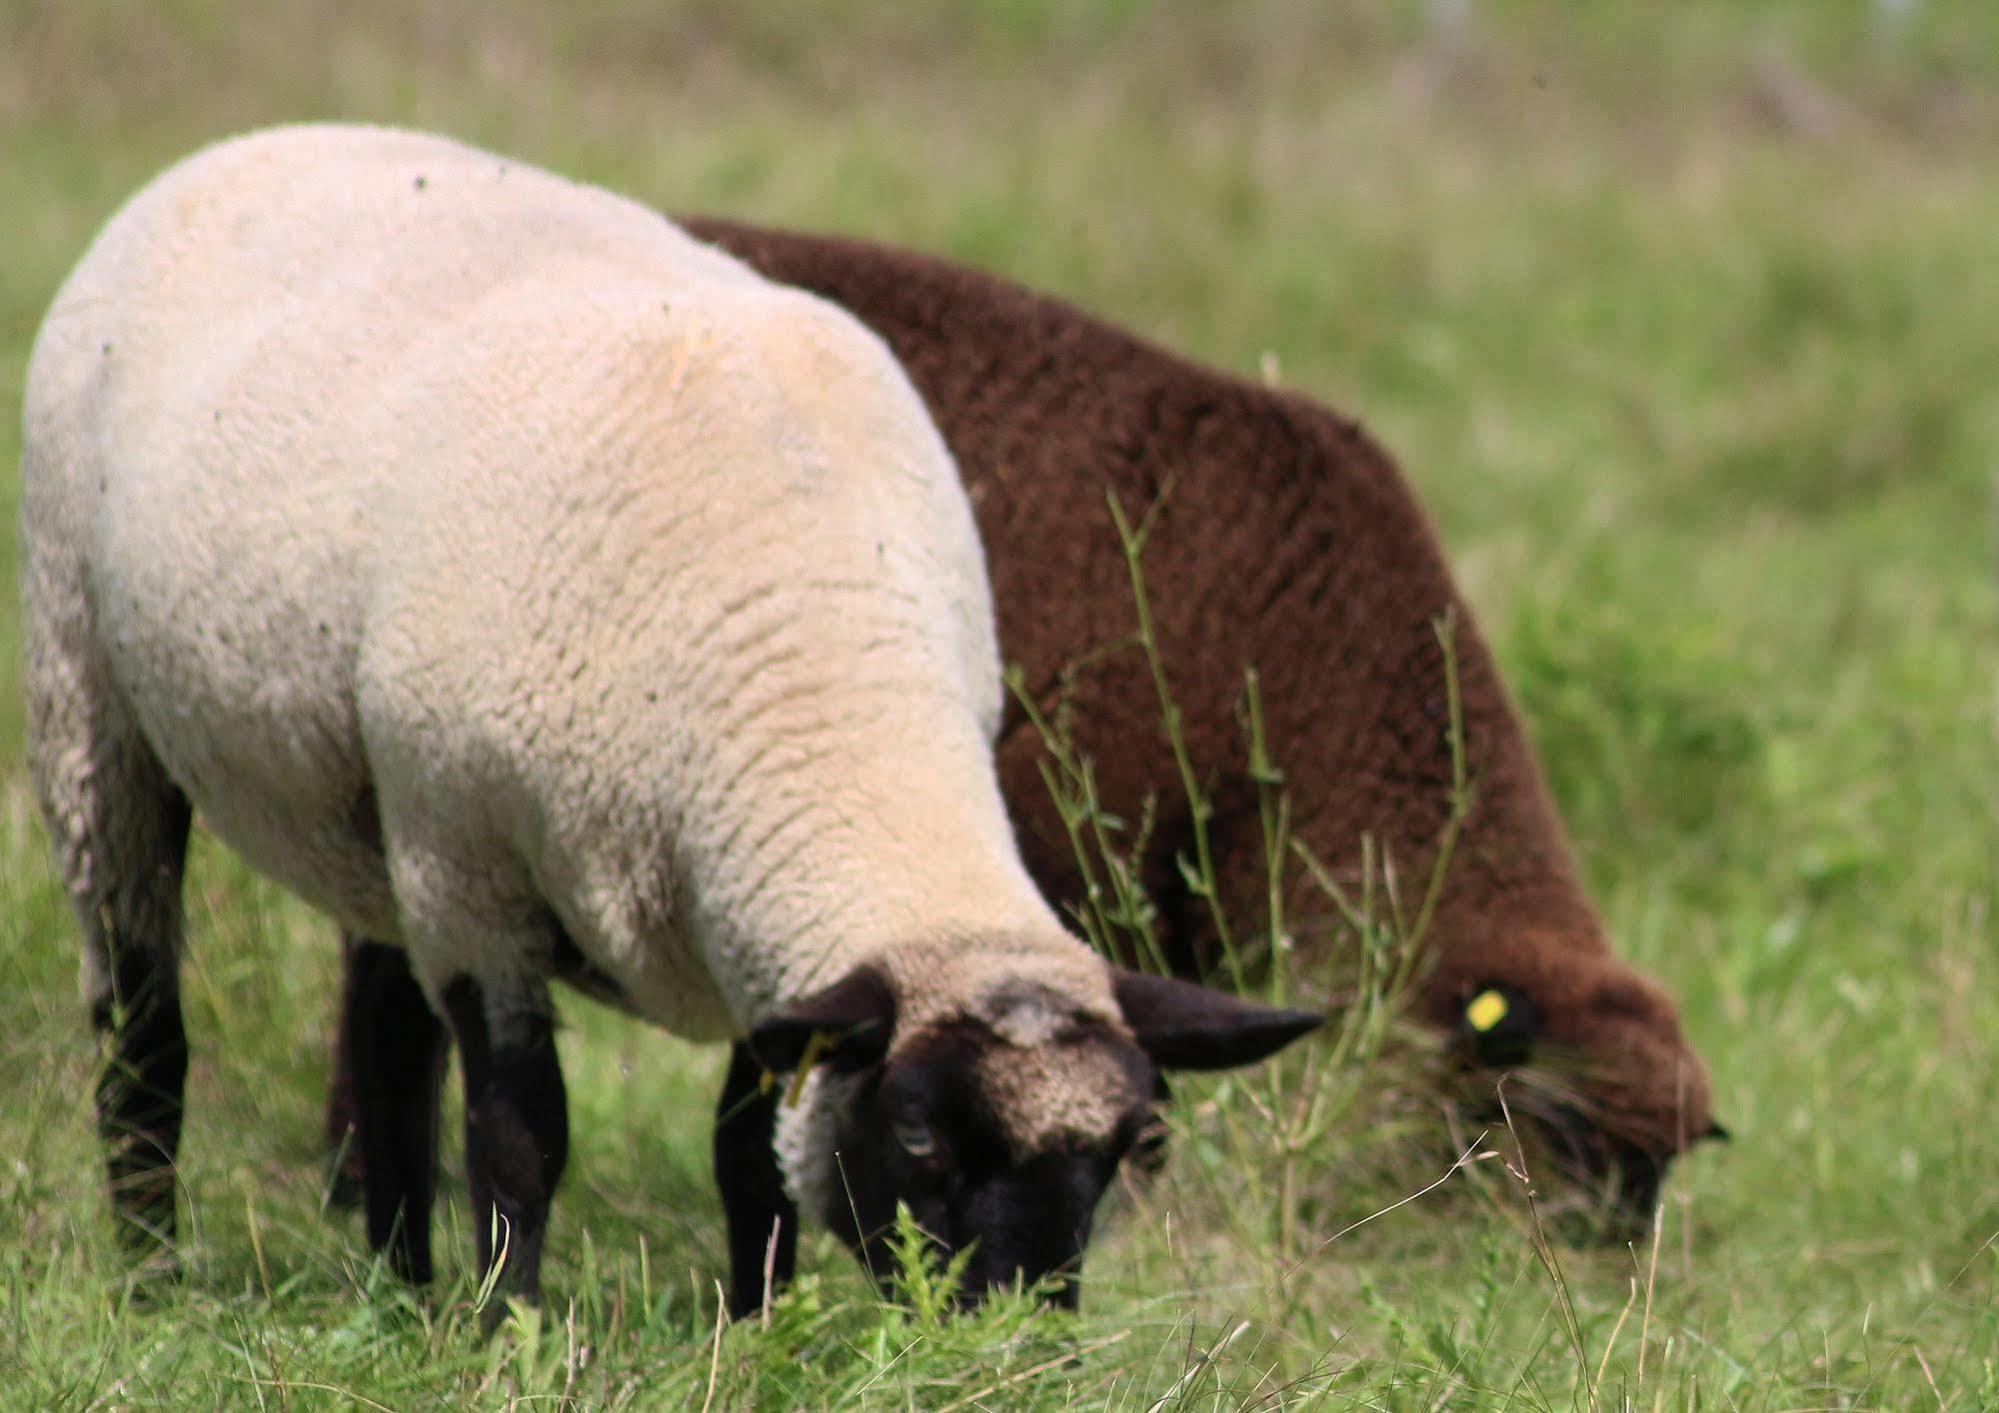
[[530, 586]]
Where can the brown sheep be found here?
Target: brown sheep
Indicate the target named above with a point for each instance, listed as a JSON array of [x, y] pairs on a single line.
[[1289, 540]]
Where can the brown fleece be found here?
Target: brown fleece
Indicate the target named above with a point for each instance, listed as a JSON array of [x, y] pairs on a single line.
[[1291, 541]]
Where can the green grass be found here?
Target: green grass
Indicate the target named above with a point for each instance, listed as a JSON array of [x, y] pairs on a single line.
[[1685, 322]]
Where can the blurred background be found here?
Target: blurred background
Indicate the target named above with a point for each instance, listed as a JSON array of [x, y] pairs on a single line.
[[1683, 320]]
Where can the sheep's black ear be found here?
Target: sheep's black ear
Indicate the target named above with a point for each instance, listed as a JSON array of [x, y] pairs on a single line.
[[849, 1022], [1187, 1027]]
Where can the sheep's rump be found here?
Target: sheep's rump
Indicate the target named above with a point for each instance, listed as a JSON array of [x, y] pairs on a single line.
[[439, 521]]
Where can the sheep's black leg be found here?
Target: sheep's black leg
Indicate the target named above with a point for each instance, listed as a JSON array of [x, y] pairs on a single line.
[[133, 930], [343, 1122], [119, 826], [516, 1125], [140, 1092], [753, 1196], [394, 1047]]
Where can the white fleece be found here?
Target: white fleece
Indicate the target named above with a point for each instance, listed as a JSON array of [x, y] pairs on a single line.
[[639, 592]]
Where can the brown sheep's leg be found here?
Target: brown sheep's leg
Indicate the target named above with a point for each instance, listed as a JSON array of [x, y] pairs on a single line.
[[763, 1223], [516, 1125], [392, 1050]]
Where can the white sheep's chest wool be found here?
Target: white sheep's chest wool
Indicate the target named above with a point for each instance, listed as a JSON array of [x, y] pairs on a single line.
[[541, 594]]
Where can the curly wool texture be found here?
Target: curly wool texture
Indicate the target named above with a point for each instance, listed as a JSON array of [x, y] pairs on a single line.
[[496, 566]]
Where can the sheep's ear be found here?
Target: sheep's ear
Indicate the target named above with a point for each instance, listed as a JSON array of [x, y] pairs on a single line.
[[848, 1022], [1187, 1027], [1499, 1025]]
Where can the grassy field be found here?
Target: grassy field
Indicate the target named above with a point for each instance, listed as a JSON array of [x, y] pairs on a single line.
[[1685, 324]]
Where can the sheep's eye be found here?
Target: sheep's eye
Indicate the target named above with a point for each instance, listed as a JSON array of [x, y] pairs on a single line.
[[1148, 1149], [915, 1137]]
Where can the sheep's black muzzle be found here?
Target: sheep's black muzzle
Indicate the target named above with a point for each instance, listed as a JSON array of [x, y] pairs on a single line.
[[1060, 1287], [1618, 1180], [1019, 1226], [1624, 1179], [1017, 1256], [1595, 1184]]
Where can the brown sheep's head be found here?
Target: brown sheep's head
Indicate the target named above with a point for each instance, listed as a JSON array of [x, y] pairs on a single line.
[[1590, 1059], [998, 1122]]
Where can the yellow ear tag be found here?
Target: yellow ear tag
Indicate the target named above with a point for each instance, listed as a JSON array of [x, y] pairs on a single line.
[[1487, 1009], [821, 1042]]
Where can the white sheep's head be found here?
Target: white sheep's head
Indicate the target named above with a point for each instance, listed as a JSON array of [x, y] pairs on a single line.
[[1000, 1121]]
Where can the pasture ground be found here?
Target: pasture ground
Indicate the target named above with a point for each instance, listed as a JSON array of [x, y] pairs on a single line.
[[1685, 323]]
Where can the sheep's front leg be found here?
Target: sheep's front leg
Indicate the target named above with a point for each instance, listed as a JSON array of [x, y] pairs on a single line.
[[391, 1062], [763, 1223], [516, 1121]]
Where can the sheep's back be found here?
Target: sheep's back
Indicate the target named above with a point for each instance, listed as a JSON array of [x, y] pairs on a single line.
[[375, 442]]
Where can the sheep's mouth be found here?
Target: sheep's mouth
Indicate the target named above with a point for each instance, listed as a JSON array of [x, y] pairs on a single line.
[[1609, 1185], [1614, 1183], [1059, 1288]]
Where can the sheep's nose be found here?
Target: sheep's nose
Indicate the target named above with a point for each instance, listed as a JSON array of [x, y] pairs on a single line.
[[1637, 1176], [1065, 1294], [1059, 1279]]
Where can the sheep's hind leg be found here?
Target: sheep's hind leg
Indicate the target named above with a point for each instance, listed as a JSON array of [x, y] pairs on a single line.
[[763, 1223], [346, 1170], [141, 1094], [516, 1123], [390, 1066], [120, 827]]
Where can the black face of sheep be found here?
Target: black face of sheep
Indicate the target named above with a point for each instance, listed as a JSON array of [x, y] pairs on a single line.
[[929, 1131], [1000, 1131]]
